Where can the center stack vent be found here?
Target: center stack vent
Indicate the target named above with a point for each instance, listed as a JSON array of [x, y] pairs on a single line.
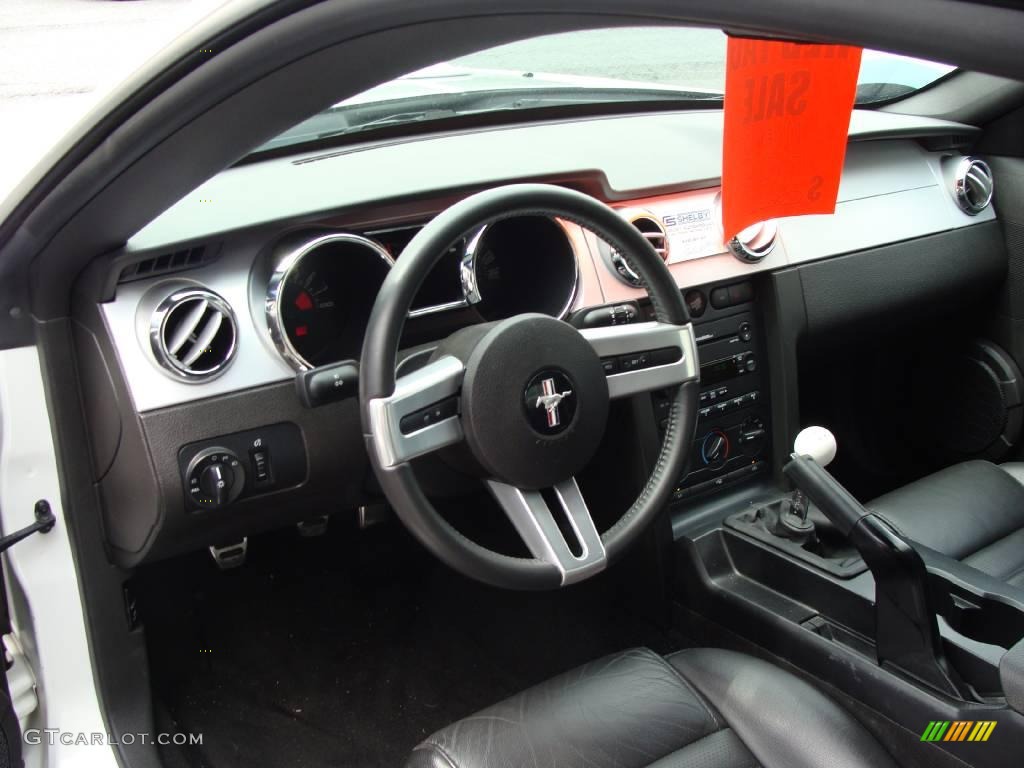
[[656, 235]]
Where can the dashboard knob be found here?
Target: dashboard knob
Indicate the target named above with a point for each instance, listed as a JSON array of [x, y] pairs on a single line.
[[715, 447], [215, 482], [214, 478]]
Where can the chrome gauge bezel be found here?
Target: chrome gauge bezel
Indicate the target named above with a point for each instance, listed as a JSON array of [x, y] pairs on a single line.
[[468, 276], [285, 265], [283, 269]]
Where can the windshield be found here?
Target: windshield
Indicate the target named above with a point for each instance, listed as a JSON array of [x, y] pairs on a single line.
[[672, 65]]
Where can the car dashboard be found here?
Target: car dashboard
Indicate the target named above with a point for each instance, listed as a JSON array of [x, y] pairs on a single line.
[[227, 332]]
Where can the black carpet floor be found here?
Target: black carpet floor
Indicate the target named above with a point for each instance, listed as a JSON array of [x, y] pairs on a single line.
[[348, 649]]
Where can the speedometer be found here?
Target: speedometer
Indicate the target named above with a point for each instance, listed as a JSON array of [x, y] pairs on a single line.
[[520, 264], [320, 298]]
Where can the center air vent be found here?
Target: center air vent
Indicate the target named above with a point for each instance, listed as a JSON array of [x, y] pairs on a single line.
[[972, 185], [755, 242], [193, 334], [655, 233]]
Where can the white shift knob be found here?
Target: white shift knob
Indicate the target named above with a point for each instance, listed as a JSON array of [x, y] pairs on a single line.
[[817, 443]]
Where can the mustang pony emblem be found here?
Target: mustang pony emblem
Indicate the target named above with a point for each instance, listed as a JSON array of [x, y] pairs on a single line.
[[550, 401]]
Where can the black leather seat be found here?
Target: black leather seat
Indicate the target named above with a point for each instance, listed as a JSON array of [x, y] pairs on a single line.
[[698, 708], [972, 512]]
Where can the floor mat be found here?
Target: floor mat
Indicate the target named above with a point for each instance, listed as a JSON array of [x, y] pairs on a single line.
[[347, 650]]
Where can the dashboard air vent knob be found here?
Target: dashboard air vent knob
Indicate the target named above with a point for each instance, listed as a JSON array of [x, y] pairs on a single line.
[[193, 334], [973, 185], [755, 242], [656, 235]]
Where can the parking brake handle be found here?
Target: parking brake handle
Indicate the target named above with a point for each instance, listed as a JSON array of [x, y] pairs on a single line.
[[906, 629]]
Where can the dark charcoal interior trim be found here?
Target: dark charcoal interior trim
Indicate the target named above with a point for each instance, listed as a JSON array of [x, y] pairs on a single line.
[[870, 290], [104, 190]]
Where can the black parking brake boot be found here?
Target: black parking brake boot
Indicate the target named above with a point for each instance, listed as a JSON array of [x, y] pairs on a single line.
[[906, 629]]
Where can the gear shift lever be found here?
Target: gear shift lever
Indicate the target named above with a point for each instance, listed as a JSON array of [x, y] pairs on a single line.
[[906, 630], [790, 520], [816, 443]]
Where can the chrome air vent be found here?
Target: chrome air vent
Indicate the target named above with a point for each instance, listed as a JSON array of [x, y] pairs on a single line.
[[755, 242], [193, 334], [651, 229], [972, 185]]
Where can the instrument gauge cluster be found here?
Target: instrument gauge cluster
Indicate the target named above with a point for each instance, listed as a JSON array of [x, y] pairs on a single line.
[[322, 286]]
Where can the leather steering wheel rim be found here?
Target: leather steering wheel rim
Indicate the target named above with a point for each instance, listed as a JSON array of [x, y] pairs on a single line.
[[377, 380]]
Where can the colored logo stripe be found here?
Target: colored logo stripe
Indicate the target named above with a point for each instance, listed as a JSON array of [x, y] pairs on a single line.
[[958, 730]]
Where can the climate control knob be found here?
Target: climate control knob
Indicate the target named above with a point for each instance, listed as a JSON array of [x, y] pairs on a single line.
[[714, 448], [214, 478]]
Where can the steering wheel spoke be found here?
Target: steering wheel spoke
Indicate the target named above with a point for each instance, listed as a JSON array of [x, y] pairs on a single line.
[[640, 357], [556, 527], [421, 416]]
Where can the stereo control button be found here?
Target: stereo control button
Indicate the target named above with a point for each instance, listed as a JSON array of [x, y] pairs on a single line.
[[696, 301], [432, 414], [634, 362], [720, 298]]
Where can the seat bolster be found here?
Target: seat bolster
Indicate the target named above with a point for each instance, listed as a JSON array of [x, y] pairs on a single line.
[[627, 710], [959, 510], [1014, 469], [429, 755], [784, 721], [1003, 559]]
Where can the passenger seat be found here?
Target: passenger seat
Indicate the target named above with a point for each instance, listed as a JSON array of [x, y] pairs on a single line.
[[973, 512]]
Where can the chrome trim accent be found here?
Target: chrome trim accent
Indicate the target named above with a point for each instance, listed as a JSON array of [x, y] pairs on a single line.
[[614, 340], [620, 268], [536, 525], [165, 351], [467, 269], [426, 386], [230, 555], [432, 309], [750, 251], [970, 175], [283, 269], [436, 309]]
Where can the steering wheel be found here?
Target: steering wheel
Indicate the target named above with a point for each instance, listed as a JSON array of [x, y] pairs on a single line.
[[523, 402]]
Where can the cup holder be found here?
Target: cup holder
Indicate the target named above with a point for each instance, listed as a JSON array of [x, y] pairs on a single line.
[[983, 617]]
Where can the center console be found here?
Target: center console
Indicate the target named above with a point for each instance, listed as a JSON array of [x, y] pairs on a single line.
[[915, 636], [733, 428]]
